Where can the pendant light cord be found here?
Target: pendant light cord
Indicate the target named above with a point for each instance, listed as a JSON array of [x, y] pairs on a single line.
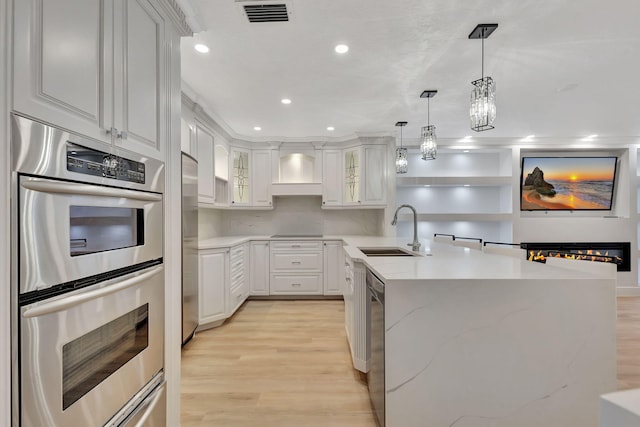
[[401, 136], [428, 109], [482, 73]]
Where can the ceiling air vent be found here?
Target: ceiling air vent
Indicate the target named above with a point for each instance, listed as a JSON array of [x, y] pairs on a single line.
[[266, 12]]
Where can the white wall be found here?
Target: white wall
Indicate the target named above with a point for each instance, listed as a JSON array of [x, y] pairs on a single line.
[[290, 215]]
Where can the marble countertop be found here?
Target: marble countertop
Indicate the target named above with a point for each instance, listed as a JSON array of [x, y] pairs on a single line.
[[435, 261], [442, 261]]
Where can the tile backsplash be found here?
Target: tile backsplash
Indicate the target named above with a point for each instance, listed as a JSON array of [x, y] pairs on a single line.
[[291, 215]]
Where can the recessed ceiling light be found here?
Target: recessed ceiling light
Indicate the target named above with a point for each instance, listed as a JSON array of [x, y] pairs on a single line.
[[342, 48], [467, 185], [257, 128], [593, 136], [330, 128], [202, 48], [285, 101], [465, 151], [530, 136], [428, 185]]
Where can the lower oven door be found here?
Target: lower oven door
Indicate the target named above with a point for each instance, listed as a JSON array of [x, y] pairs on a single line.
[[85, 354]]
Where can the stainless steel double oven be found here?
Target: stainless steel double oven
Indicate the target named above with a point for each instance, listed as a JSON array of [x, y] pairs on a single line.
[[87, 282]]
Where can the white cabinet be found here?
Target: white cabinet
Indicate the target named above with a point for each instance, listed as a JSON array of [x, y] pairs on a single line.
[[352, 176], [98, 71], [332, 178], [259, 264], [333, 272], [296, 268], [374, 172], [240, 177], [239, 282], [261, 178], [213, 279], [205, 143], [364, 172]]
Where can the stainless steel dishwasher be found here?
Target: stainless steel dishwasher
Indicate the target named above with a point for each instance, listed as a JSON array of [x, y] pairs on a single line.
[[375, 376]]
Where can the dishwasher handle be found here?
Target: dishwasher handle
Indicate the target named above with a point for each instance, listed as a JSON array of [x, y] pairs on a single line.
[[375, 285]]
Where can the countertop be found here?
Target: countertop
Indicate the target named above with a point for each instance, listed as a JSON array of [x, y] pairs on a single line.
[[435, 261]]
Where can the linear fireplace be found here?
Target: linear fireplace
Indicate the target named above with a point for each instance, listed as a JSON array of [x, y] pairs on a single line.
[[618, 253]]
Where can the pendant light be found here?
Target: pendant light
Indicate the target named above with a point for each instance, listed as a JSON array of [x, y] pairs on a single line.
[[401, 153], [428, 145], [483, 96]]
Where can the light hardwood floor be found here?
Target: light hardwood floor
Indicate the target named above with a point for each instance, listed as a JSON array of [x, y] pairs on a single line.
[[287, 363], [274, 363]]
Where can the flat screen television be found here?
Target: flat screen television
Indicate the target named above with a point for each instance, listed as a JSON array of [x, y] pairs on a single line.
[[567, 183]]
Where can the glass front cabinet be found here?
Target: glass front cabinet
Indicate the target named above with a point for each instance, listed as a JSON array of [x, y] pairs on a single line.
[[240, 171], [352, 176]]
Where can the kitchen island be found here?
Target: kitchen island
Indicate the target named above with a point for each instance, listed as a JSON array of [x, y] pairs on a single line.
[[479, 340]]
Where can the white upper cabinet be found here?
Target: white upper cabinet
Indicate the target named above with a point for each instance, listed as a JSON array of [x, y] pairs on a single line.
[[95, 67], [365, 176], [240, 177], [261, 178], [140, 78], [374, 188], [352, 176], [332, 178], [205, 143]]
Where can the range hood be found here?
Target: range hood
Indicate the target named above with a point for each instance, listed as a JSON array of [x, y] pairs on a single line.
[[296, 188]]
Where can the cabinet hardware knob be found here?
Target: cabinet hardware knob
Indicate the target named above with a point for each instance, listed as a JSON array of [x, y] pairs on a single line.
[[295, 262], [324, 203], [112, 131], [122, 135], [296, 284]]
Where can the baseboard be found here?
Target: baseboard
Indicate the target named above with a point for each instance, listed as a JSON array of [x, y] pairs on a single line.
[[628, 291]]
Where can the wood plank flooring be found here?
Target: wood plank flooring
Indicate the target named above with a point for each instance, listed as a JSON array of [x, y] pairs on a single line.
[[274, 363], [287, 363]]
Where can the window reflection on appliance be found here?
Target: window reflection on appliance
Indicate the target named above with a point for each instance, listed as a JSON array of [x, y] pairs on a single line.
[[98, 229], [91, 358]]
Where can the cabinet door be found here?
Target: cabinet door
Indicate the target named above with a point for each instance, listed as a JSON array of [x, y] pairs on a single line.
[[204, 145], [261, 178], [259, 261], [213, 282], [240, 177], [62, 62], [332, 178], [375, 175], [139, 83], [334, 274], [351, 177]]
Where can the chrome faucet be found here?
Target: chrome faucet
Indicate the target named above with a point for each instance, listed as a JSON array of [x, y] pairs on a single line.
[[415, 246]]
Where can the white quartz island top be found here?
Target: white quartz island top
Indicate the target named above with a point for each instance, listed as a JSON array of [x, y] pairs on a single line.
[[481, 340]]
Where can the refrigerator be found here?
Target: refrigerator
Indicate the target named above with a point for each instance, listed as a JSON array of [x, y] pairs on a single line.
[[189, 247]]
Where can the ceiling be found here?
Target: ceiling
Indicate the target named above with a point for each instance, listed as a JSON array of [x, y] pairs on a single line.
[[563, 68]]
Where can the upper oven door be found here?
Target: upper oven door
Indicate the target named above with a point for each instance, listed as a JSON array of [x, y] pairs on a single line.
[[70, 231]]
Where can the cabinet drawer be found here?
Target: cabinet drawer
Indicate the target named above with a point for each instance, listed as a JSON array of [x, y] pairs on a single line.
[[296, 284], [296, 245], [303, 261]]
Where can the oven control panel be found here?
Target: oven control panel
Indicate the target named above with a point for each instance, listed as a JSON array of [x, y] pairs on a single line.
[[93, 162]]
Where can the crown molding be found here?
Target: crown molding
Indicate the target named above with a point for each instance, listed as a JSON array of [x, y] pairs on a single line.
[[173, 10]]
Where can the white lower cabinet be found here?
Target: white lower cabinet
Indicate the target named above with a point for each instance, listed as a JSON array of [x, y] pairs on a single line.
[[259, 262], [296, 268], [239, 281], [334, 277], [296, 284], [213, 279]]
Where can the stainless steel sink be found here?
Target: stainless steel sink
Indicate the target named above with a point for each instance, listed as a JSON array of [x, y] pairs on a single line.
[[386, 252]]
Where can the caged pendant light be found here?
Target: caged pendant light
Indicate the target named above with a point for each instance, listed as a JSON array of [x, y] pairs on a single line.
[[428, 145], [401, 153], [483, 96]]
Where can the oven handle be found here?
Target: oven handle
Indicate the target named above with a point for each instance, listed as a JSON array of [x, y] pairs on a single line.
[[157, 395], [65, 303], [88, 190]]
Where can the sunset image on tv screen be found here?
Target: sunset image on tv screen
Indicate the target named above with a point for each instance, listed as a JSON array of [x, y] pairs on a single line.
[[567, 183]]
